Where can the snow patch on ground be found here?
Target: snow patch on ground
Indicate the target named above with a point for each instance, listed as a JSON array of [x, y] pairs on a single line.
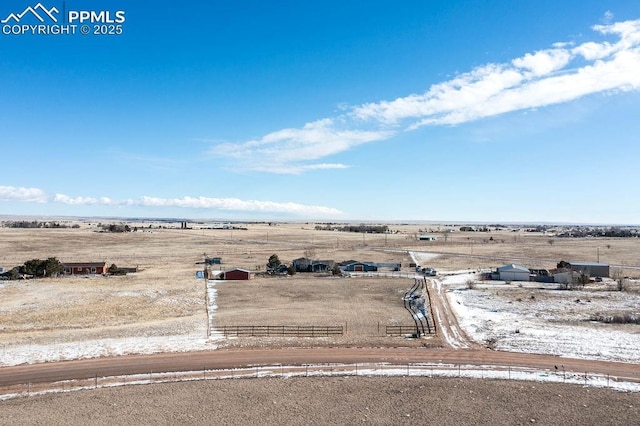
[[27, 354], [194, 339], [212, 307], [421, 257], [545, 321]]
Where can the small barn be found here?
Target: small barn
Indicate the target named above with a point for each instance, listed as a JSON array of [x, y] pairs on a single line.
[[513, 272], [591, 269], [237, 274], [360, 267], [88, 268]]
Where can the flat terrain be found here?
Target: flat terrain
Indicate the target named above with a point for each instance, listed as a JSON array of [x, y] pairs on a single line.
[[162, 308], [362, 306], [346, 400]]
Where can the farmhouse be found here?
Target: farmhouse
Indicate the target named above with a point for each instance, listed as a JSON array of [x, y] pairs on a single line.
[[468, 229], [88, 268], [304, 264], [591, 269], [513, 272], [236, 274]]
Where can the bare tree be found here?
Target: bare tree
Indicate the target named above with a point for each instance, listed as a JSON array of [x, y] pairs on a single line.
[[617, 275], [310, 252]]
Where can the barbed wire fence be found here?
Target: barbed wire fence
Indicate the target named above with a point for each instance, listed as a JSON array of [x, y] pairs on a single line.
[[422, 370]]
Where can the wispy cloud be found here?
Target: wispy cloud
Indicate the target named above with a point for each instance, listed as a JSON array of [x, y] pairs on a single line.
[[83, 201], [291, 151], [562, 73], [10, 193], [235, 204], [534, 80]]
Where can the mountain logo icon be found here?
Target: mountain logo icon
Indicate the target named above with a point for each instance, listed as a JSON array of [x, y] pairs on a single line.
[[39, 11]]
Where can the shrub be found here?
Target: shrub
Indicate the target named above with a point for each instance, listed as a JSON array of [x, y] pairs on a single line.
[[616, 318]]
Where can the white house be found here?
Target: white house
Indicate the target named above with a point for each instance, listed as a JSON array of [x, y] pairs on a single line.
[[513, 272]]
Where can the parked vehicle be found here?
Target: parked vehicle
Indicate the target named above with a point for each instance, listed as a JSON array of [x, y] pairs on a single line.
[[430, 272]]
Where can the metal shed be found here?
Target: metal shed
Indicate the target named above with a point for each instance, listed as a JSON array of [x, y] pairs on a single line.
[[591, 269], [360, 267], [513, 272], [237, 274]]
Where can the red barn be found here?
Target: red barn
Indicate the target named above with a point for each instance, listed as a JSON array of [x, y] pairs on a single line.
[[237, 274], [89, 268]]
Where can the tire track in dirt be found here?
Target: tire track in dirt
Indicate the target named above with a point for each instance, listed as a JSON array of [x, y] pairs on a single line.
[[452, 334]]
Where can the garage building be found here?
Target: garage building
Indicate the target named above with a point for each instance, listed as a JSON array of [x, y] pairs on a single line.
[[513, 272]]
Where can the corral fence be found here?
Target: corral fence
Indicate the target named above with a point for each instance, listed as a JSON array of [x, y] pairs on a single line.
[[380, 275], [403, 330], [425, 370], [280, 330]]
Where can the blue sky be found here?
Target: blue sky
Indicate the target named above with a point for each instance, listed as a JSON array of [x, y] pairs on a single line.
[[489, 111]]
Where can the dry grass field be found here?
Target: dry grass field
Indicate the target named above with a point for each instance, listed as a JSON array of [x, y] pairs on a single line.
[[363, 306], [164, 298]]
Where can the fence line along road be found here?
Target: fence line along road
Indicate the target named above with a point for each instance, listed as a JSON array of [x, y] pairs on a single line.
[[427, 370]]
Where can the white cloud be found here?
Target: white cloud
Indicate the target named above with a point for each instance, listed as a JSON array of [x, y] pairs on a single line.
[[235, 204], [11, 193], [592, 51], [563, 73], [531, 81], [65, 199], [543, 62], [292, 151]]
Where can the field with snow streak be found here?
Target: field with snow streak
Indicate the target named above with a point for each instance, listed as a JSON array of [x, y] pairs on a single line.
[[532, 319]]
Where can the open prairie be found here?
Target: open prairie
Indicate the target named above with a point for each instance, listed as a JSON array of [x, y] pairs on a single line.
[[46, 319], [164, 298]]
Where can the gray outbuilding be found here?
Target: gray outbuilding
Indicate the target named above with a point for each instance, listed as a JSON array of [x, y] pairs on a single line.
[[591, 269], [513, 272]]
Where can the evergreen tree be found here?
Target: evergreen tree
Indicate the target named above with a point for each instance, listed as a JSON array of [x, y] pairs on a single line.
[[274, 262]]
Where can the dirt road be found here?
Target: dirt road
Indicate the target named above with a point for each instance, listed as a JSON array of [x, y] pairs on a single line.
[[222, 359], [452, 334]]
